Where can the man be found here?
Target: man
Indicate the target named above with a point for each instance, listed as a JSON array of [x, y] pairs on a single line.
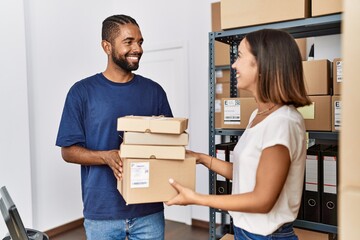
[[88, 136]]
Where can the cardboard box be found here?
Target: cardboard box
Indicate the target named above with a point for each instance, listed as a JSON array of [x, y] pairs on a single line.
[[336, 113], [217, 113], [222, 90], [302, 44], [324, 7], [337, 75], [146, 180], [154, 124], [236, 112], [317, 77], [240, 13], [215, 17], [152, 151], [317, 116], [222, 54], [227, 237], [139, 138], [222, 76]]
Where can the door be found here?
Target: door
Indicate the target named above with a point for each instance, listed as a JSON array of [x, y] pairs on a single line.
[[167, 66]]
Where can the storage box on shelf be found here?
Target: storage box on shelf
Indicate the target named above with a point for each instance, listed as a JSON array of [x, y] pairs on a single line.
[[240, 13], [325, 7]]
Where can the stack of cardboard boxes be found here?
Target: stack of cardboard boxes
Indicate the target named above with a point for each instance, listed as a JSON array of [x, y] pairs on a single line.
[[323, 87], [153, 150]]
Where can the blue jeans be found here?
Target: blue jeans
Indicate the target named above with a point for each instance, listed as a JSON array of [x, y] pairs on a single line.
[[150, 227], [285, 232]]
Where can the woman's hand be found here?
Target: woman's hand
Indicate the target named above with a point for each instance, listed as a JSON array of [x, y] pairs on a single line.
[[185, 197], [196, 155]]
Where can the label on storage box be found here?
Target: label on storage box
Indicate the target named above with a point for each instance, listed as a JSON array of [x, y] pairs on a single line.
[[337, 115], [339, 71], [308, 112], [232, 111], [139, 174]]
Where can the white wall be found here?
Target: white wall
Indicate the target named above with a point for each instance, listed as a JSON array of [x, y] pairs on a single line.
[[14, 121], [46, 46]]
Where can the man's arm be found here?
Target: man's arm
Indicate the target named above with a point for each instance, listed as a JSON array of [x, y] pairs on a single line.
[[83, 156]]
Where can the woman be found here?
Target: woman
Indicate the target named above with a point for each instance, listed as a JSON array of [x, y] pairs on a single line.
[[269, 159]]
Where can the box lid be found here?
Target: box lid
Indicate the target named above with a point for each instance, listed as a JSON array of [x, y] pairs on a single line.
[[153, 124]]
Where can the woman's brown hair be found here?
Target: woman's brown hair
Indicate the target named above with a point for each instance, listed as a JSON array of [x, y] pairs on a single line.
[[281, 78]]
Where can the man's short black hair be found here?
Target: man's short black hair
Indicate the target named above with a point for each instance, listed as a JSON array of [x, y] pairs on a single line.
[[111, 26]]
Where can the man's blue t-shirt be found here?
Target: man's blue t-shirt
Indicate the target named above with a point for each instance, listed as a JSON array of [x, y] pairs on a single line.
[[89, 119]]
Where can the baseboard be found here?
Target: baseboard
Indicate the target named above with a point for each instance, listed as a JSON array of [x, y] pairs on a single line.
[[64, 228], [200, 223]]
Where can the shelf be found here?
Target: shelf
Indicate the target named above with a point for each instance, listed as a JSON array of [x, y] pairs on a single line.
[[320, 227], [309, 27], [315, 26], [312, 134]]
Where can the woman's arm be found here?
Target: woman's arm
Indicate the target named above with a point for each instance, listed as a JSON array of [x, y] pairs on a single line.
[[270, 178]]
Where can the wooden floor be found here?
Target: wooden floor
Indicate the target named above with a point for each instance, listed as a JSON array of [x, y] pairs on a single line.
[[173, 231]]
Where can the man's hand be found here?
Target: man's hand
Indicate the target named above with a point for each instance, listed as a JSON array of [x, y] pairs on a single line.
[[113, 160]]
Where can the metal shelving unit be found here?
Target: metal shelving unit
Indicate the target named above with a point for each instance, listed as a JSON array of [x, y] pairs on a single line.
[[309, 27]]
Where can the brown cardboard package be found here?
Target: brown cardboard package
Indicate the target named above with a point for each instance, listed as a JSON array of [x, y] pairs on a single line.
[[152, 151], [217, 113], [222, 54], [215, 17], [337, 75], [146, 180], [336, 113], [236, 112], [317, 116], [222, 76], [302, 44], [324, 7], [317, 77], [222, 90], [154, 124], [240, 13], [138, 138], [227, 237]]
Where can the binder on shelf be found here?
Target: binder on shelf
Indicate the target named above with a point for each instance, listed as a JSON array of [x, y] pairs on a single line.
[[313, 186], [330, 186], [223, 152]]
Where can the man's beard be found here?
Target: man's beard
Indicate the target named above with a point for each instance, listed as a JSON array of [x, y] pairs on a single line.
[[124, 64]]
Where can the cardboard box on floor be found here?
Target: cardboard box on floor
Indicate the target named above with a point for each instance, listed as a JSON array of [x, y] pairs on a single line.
[[146, 180], [240, 13], [325, 7], [317, 116], [236, 112], [139, 138], [154, 124]]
